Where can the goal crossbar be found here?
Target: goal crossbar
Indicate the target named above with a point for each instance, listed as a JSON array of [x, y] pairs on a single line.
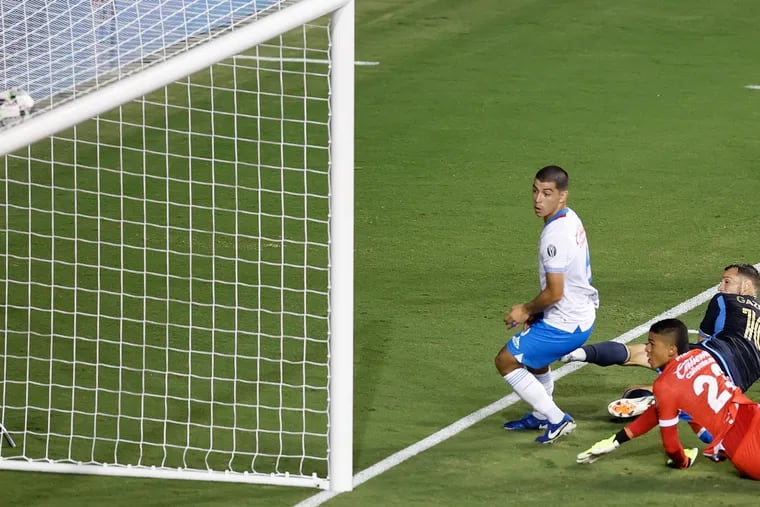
[[161, 74]]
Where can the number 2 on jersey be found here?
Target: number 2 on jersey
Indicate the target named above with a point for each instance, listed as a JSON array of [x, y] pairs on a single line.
[[716, 397]]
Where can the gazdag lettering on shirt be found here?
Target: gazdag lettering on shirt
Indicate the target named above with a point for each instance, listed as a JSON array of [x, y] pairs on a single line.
[[563, 248], [730, 331]]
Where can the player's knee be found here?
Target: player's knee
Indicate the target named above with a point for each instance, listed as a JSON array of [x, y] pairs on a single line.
[[505, 362], [497, 361]]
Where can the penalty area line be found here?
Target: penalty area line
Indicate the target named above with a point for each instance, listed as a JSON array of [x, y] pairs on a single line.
[[477, 416]]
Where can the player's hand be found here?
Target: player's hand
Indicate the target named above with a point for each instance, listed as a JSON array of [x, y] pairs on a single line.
[[600, 448], [691, 457], [517, 315], [533, 319]]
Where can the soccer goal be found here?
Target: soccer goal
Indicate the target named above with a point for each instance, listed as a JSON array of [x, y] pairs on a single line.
[[176, 261]]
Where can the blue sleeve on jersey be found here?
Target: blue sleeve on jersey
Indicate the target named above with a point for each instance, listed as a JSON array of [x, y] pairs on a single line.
[[712, 318], [720, 320]]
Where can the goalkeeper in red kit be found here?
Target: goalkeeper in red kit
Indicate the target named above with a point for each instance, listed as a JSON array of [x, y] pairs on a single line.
[[692, 381]]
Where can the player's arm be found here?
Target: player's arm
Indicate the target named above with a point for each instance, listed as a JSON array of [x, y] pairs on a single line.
[[643, 424], [555, 288], [551, 294], [667, 419], [678, 456], [707, 327]]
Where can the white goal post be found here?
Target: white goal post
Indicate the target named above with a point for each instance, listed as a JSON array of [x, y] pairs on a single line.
[[176, 256]]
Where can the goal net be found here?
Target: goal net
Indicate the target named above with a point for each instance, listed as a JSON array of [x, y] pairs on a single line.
[[176, 250]]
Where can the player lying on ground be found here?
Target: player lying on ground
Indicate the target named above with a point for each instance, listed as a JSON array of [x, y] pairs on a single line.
[[730, 331], [691, 381]]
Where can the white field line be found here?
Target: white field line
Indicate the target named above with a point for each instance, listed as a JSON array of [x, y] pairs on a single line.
[[467, 421], [296, 60], [753, 87]]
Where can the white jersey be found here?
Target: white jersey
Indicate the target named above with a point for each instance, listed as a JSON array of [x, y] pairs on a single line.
[[563, 248]]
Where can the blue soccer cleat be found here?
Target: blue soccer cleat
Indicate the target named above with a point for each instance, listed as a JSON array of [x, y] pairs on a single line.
[[528, 422], [554, 431]]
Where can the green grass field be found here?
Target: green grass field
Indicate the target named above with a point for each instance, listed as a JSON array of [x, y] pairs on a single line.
[[645, 104]]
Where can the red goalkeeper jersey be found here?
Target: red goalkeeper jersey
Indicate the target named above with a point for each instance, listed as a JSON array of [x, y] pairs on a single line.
[[694, 383]]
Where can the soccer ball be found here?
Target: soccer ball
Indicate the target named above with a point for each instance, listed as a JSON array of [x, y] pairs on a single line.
[[15, 104]]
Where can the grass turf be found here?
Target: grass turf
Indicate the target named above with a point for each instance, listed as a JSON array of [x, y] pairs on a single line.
[[645, 105]]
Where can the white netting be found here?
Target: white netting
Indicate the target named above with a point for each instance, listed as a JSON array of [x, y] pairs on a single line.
[[58, 49], [164, 266]]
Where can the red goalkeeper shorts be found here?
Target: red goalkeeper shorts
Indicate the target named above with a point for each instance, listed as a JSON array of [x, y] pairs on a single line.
[[746, 457]]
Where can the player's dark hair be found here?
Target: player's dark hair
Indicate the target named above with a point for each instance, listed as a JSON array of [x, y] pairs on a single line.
[[675, 330], [748, 271], [554, 173]]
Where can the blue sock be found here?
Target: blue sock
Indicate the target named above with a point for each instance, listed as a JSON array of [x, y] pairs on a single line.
[[606, 353], [705, 436]]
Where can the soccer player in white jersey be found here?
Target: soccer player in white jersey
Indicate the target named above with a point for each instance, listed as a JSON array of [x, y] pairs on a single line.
[[556, 321]]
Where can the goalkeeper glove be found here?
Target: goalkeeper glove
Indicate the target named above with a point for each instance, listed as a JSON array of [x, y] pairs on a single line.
[[691, 457], [597, 450]]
